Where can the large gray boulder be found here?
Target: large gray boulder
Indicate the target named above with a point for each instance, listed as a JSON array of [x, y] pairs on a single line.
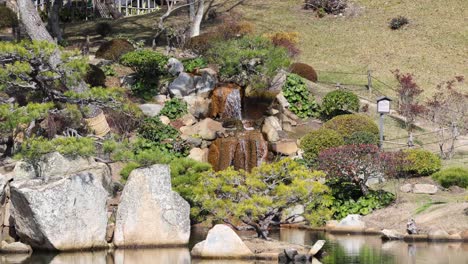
[[56, 166], [65, 214], [221, 242], [151, 109], [174, 66], [182, 86], [205, 83], [150, 213]]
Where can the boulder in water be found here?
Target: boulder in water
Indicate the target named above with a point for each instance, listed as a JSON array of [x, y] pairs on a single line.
[[222, 242], [15, 247], [150, 213], [65, 214]]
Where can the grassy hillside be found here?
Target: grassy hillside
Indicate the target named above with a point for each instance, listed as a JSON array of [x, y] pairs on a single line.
[[434, 45]]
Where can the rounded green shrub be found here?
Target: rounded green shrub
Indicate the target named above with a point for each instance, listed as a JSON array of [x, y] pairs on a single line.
[[304, 70], [154, 130], [174, 108], [319, 140], [114, 49], [9, 18], [456, 176], [339, 102], [362, 137], [95, 76], [422, 162], [346, 125]]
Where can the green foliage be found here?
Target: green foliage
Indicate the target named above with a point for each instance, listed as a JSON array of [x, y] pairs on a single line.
[[316, 141], [255, 198], [9, 18], [346, 125], [26, 65], [109, 70], [302, 102], [339, 102], [174, 108], [12, 116], [149, 67], [154, 130], [456, 176], [186, 174], [362, 137], [248, 60], [34, 148], [114, 49], [364, 205], [191, 65], [422, 162]]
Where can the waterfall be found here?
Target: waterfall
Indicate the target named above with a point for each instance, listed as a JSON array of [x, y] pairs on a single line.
[[245, 150], [232, 107]]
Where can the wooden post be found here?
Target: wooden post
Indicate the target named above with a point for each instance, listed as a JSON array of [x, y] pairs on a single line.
[[369, 83]]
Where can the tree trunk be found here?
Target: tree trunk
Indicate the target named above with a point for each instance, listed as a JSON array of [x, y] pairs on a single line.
[[196, 22], [37, 31], [363, 186], [53, 19], [115, 14]]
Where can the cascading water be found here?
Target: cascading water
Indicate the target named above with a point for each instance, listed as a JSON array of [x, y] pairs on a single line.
[[245, 148], [233, 105]]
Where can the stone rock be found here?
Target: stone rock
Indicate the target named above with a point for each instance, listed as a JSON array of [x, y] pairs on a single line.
[[16, 247], [207, 129], [434, 233], [110, 232], [287, 148], [317, 247], [188, 119], [65, 214], [165, 120], [282, 258], [151, 109], [150, 213], [331, 223], [128, 80], [293, 214], [221, 242], [194, 141], [205, 84], [282, 101], [182, 86], [175, 67], [406, 188], [390, 234], [56, 166], [352, 220], [278, 82], [160, 99], [300, 258], [3, 182], [411, 227], [464, 235], [425, 188], [198, 106], [290, 253], [270, 128], [199, 154]]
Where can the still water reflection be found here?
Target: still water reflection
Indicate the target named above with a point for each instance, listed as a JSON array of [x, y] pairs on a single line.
[[341, 249]]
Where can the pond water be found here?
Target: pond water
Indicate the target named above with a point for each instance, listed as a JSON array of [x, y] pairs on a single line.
[[341, 249]]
